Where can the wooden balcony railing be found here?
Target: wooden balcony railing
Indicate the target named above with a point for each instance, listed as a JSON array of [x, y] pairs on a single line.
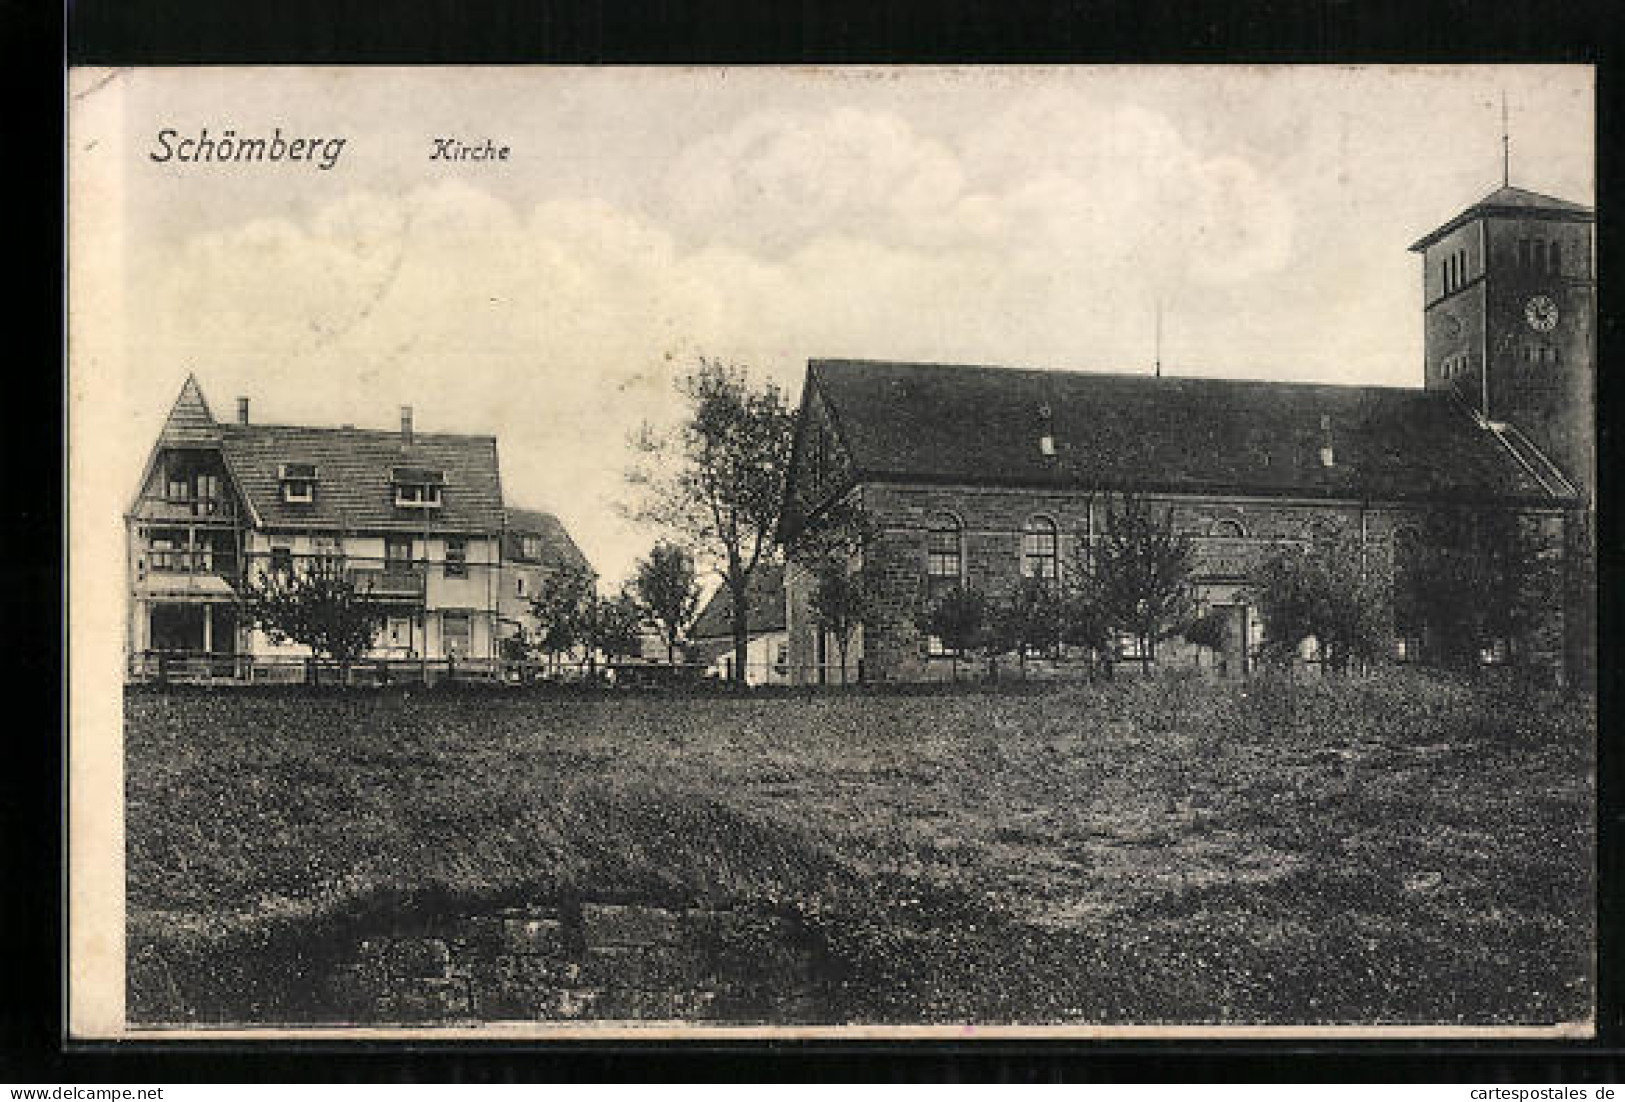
[[188, 508], [389, 581]]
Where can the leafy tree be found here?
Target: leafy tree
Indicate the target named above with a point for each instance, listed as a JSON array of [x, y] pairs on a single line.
[[319, 606], [1084, 619], [1138, 573], [1481, 578], [570, 615], [1207, 630], [667, 591], [959, 618], [1321, 593], [843, 600], [611, 626], [836, 546], [718, 482], [561, 608], [1030, 617]]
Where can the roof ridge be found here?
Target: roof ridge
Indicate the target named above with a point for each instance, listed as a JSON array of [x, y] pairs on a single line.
[[238, 427], [1065, 372]]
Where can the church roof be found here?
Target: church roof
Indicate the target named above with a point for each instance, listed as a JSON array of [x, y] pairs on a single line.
[[1514, 202], [917, 422]]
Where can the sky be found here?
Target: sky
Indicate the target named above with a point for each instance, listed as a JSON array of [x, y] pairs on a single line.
[[1032, 217]]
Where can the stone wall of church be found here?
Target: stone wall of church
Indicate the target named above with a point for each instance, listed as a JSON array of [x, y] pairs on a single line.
[[1233, 535]]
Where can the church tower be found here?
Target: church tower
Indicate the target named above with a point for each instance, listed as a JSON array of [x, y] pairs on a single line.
[[1509, 307]]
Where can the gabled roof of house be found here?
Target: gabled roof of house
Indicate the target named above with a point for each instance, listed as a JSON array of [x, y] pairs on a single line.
[[189, 422], [1514, 202], [982, 425], [355, 472], [559, 551], [764, 607]]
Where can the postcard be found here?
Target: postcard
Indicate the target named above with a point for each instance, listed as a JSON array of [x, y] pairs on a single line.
[[962, 552]]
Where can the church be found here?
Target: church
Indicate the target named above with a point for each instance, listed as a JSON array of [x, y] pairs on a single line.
[[977, 475]]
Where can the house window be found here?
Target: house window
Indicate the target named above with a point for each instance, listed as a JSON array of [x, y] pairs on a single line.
[[397, 552], [520, 588], [398, 633], [1228, 529], [456, 557], [1554, 258], [1128, 646], [1495, 653], [298, 481], [455, 629], [530, 547], [417, 487], [325, 546], [417, 496], [1040, 550], [208, 494], [282, 557], [165, 554]]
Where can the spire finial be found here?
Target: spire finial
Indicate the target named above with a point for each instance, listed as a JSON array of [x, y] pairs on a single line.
[[1506, 144]]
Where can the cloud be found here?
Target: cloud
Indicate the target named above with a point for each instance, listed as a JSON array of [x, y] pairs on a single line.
[[778, 178], [560, 325]]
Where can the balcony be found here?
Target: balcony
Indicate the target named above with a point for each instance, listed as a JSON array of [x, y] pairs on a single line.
[[191, 561], [389, 582], [188, 508], [187, 574]]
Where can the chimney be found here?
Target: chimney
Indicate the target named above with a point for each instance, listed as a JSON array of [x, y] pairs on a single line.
[[242, 411], [406, 425], [1327, 458]]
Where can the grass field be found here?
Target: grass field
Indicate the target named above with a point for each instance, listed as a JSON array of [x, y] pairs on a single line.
[[1405, 849]]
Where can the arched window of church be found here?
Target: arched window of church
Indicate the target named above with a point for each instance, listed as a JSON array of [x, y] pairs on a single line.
[[1040, 549], [944, 552], [1554, 258], [1228, 529]]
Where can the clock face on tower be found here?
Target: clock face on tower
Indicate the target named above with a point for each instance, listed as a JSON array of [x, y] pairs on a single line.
[[1541, 314]]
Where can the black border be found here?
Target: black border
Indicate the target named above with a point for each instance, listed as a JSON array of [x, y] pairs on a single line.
[[445, 32]]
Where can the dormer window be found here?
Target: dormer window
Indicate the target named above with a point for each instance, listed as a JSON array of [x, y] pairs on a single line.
[[417, 487], [530, 548], [298, 481]]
